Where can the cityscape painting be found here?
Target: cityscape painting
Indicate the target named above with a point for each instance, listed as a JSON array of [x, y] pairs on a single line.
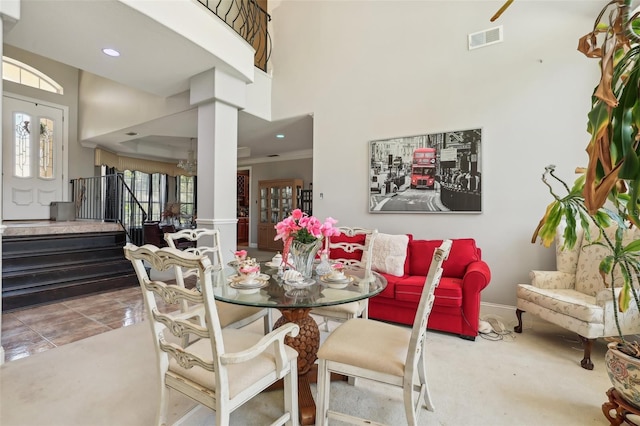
[[431, 173]]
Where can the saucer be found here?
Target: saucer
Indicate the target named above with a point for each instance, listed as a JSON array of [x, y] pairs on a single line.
[[246, 288], [299, 283], [245, 291], [328, 280], [260, 278]]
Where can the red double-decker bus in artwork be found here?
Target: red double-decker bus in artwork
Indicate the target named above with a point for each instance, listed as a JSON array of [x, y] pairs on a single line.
[[423, 168]]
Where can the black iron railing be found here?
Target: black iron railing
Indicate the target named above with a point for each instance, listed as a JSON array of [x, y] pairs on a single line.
[[248, 19], [108, 198]]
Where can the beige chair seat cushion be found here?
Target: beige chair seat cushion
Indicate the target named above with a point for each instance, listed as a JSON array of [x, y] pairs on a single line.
[[241, 375], [564, 301], [353, 343], [352, 308], [229, 314]]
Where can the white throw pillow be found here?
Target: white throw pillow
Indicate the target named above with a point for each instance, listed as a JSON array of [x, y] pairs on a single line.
[[389, 253]]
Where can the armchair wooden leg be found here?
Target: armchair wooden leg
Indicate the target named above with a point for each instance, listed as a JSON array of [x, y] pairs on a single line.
[[586, 360], [518, 328]]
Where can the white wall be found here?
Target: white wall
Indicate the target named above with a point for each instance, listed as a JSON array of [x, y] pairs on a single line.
[[379, 69], [107, 106]]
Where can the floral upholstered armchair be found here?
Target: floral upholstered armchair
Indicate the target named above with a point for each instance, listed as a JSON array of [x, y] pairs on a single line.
[[575, 296]]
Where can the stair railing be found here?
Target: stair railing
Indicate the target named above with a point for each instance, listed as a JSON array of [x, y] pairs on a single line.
[[108, 198]]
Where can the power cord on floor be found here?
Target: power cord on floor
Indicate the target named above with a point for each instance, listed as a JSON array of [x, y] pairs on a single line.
[[492, 328]]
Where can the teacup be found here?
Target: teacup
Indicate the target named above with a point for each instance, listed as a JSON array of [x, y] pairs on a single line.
[[277, 260], [337, 275], [249, 278]]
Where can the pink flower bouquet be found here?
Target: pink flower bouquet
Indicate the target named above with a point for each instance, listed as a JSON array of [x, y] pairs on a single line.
[[306, 229]]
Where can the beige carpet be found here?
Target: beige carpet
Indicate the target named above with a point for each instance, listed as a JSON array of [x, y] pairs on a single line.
[[109, 379]]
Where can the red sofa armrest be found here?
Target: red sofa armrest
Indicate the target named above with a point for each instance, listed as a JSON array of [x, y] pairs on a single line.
[[476, 278]]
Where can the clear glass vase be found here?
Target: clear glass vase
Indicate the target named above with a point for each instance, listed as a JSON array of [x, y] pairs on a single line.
[[302, 256]]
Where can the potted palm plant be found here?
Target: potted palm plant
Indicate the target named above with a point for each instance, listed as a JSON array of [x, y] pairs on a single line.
[[607, 189]]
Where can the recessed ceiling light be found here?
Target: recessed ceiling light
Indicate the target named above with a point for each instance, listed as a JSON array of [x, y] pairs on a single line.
[[280, 136], [110, 52]]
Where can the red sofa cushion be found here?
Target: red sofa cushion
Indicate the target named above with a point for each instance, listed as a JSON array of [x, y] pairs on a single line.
[[448, 292], [463, 251], [338, 253], [389, 291]]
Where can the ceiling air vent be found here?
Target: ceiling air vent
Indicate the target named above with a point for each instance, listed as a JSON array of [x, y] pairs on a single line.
[[485, 38]]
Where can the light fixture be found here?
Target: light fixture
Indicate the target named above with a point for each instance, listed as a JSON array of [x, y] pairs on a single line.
[[110, 52], [190, 165], [280, 136]]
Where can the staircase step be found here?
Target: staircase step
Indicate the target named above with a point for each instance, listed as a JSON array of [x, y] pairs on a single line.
[[20, 299], [35, 261], [44, 268], [37, 277]]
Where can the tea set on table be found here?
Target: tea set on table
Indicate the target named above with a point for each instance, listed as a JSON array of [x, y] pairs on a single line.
[[249, 279]]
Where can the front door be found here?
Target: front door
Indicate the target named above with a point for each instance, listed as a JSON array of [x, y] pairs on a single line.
[[32, 147]]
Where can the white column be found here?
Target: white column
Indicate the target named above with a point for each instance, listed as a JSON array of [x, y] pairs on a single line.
[[219, 96]]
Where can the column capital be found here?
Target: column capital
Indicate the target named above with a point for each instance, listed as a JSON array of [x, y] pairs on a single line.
[[215, 85]]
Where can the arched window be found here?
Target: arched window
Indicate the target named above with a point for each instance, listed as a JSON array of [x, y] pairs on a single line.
[[21, 73]]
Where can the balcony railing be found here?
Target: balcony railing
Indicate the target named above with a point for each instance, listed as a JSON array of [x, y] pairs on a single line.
[[109, 199], [248, 19]]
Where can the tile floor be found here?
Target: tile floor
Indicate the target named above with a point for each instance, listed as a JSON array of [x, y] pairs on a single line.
[[32, 330]]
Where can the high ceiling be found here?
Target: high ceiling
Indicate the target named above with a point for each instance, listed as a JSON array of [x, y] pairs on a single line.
[[156, 60]]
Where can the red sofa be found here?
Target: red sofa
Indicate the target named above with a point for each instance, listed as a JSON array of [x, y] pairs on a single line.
[[456, 308]]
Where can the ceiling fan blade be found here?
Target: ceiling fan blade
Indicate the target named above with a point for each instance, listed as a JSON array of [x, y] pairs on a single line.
[[502, 9]]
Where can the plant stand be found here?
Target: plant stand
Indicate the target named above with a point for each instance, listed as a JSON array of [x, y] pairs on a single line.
[[624, 412]]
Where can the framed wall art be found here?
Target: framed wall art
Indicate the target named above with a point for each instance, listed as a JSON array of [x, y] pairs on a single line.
[[431, 173]]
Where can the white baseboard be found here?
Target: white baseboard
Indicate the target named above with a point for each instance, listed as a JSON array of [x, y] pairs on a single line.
[[505, 311], [507, 314]]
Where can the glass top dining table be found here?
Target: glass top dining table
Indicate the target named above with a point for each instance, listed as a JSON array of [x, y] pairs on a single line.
[[275, 292]]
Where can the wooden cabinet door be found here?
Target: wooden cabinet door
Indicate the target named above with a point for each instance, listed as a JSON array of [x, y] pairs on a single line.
[[243, 230], [263, 237], [276, 200]]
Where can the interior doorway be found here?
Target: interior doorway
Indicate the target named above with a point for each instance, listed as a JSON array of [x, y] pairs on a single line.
[[242, 207]]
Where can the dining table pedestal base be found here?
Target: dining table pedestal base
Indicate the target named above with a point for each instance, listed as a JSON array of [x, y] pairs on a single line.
[[307, 343]]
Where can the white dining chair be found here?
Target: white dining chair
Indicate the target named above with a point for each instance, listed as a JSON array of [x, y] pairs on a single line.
[[349, 249], [233, 316], [222, 369], [382, 352]]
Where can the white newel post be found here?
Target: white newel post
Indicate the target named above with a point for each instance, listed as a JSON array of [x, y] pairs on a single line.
[[218, 96]]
